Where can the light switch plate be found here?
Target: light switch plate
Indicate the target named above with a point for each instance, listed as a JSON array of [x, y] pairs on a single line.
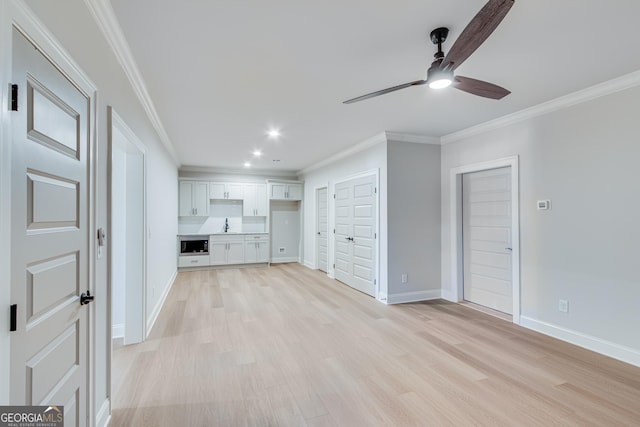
[[544, 205]]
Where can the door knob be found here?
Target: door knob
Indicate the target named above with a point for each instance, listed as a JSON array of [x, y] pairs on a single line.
[[86, 298]]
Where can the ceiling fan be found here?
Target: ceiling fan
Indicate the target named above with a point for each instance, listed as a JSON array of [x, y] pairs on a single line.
[[440, 74]]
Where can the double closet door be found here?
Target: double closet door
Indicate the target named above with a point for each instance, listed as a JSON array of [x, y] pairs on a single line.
[[355, 233]]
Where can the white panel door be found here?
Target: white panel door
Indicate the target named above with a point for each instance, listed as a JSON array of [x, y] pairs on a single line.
[[50, 214], [355, 214], [486, 230], [322, 228]]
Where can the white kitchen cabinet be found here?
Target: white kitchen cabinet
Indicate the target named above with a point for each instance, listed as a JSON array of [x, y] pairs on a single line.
[[194, 198], [285, 191], [193, 260], [254, 200], [256, 248], [226, 249], [225, 190]]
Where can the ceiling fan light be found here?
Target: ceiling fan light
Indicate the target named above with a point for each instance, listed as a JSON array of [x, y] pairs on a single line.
[[440, 83]]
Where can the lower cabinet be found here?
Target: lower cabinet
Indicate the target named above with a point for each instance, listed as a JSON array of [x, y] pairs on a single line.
[[193, 260], [226, 250], [256, 248]]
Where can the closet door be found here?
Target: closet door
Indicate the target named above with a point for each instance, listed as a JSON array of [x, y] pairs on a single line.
[[355, 219]]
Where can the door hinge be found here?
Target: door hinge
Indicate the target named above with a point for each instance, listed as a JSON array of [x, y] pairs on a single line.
[[334, 266], [334, 195], [375, 235], [334, 231], [375, 189], [375, 282], [14, 318], [14, 97]]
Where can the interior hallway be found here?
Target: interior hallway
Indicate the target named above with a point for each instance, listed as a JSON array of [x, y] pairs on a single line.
[[286, 346]]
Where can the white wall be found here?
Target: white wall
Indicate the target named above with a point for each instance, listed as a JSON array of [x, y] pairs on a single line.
[[285, 231], [585, 249], [67, 20], [369, 159], [413, 201]]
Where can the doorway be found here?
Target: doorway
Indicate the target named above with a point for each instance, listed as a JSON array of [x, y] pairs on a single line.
[[356, 202], [322, 229], [493, 246], [128, 225], [486, 239]]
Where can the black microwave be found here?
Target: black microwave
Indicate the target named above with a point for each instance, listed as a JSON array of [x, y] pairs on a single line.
[[194, 245]]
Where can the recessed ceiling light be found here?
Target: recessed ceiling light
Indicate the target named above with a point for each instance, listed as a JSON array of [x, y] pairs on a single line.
[[247, 164], [257, 153], [273, 133]]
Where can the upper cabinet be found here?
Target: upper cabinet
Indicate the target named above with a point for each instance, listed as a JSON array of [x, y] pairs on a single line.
[[194, 198], [254, 200], [285, 191], [225, 190]]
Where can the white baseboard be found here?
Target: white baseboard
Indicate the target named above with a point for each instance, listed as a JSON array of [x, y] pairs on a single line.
[[414, 296], [117, 331], [616, 351], [151, 320], [284, 259], [382, 297], [309, 265], [103, 417], [449, 296]]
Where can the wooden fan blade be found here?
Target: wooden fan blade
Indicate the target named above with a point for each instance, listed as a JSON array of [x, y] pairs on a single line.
[[383, 91], [480, 88], [476, 32]]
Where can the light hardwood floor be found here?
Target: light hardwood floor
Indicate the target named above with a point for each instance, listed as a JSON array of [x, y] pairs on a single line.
[[285, 346]]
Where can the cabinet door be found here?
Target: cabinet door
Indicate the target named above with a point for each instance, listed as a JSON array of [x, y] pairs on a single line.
[[201, 198], [248, 200], [261, 199], [186, 194], [278, 191], [294, 192], [234, 191], [250, 252], [262, 251], [217, 253], [235, 253], [217, 190]]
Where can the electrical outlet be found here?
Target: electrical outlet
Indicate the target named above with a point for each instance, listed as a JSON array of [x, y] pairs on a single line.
[[282, 250], [405, 279], [563, 305]]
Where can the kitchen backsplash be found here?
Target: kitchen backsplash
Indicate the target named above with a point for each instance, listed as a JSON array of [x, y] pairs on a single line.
[[218, 212]]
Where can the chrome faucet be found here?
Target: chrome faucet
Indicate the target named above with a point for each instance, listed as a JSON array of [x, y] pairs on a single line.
[[226, 225]]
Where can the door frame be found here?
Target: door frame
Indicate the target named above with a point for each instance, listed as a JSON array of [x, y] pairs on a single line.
[[115, 121], [316, 196], [16, 14], [455, 219], [332, 224]]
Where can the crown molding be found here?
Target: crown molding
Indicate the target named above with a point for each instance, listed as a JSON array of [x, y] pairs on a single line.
[[230, 171], [361, 146], [107, 22], [417, 139], [602, 89]]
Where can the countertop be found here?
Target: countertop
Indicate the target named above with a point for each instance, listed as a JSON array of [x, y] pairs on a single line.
[[223, 233]]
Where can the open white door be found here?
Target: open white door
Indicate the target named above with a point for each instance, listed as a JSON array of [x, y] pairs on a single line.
[[50, 217]]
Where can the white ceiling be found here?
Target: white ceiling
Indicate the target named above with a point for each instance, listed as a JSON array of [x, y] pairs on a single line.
[[220, 73]]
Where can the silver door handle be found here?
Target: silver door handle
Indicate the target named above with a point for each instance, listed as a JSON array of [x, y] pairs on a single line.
[[509, 249]]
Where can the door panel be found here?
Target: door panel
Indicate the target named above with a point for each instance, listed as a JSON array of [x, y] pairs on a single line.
[[486, 228], [322, 230], [50, 236], [355, 212]]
